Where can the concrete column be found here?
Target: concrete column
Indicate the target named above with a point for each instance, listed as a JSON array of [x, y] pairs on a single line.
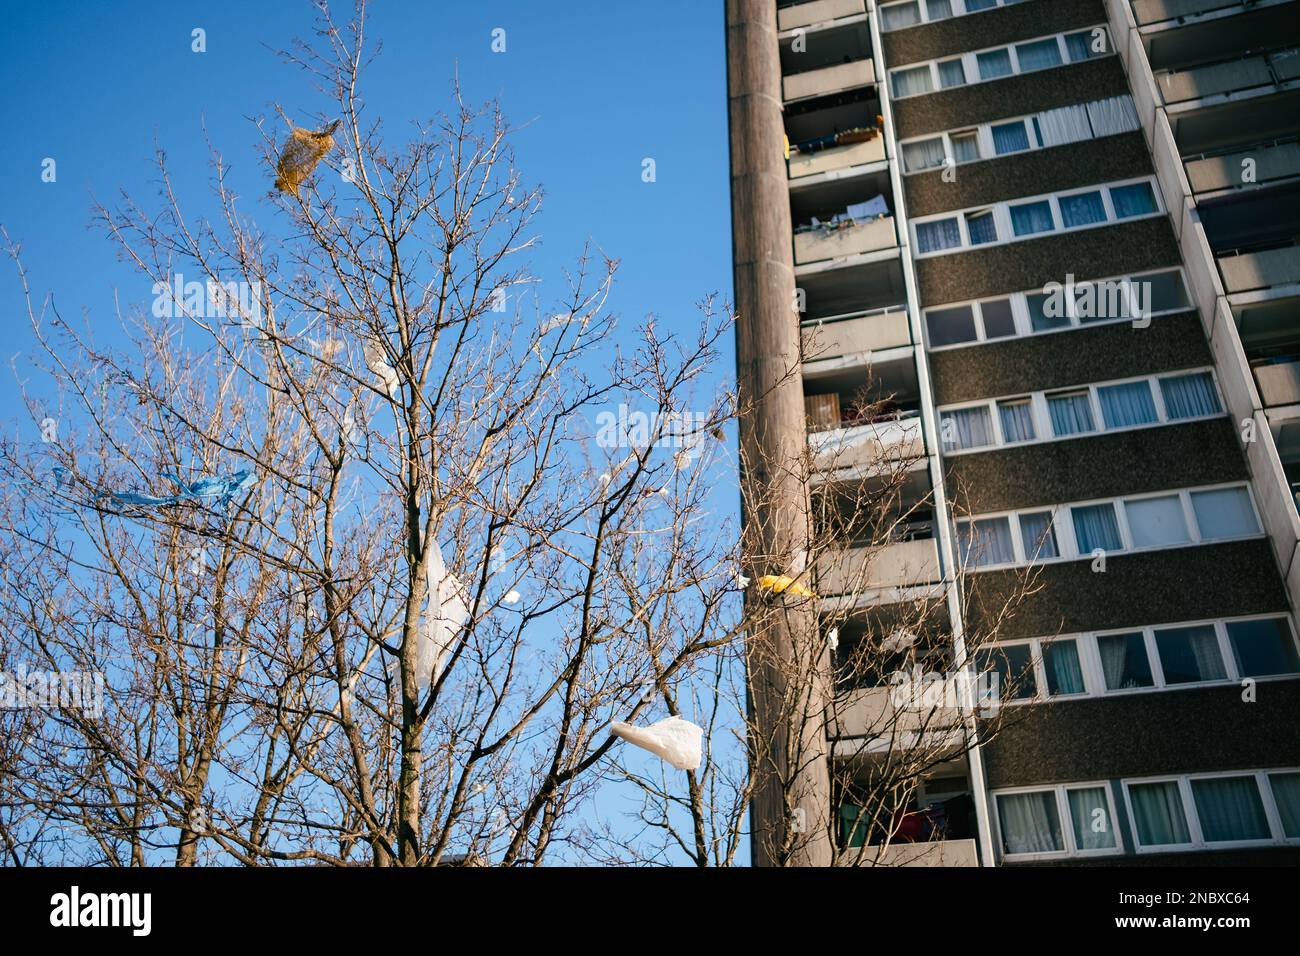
[[788, 663]]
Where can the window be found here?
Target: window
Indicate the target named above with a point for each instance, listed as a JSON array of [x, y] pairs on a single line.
[[999, 322], [899, 15], [1229, 809], [1032, 217], [1286, 794], [1082, 209], [1124, 662], [1189, 655], [949, 326], [974, 5], [1116, 114], [1224, 513], [967, 428], [1039, 319], [965, 147], [951, 73], [985, 541], [938, 9], [1030, 822], [933, 236], [1037, 536], [1136, 199], [1065, 124], [1038, 54], [1086, 44], [1095, 527], [1163, 291], [1190, 396], [1010, 137], [926, 154], [912, 82], [1061, 663], [981, 227], [993, 64], [1126, 405], [1071, 413], [1262, 648], [1158, 814], [1014, 666], [1156, 522], [1017, 418]]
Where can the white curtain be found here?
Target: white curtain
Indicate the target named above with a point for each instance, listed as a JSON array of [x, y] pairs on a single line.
[[1115, 115], [1092, 830], [1124, 661], [967, 428], [987, 541], [1068, 124], [927, 154], [1158, 813], [1189, 396], [1029, 822], [911, 82], [899, 15]]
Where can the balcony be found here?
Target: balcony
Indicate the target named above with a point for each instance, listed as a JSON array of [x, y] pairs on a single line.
[[869, 712], [828, 79], [847, 239], [1272, 162], [1260, 270], [898, 564], [836, 158], [933, 853], [1181, 86], [819, 11], [1278, 380], [1157, 11], [855, 338], [874, 447]]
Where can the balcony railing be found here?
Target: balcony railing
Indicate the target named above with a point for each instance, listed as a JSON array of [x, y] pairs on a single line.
[[1260, 270], [828, 79], [818, 11], [899, 564], [1273, 161], [860, 336], [933, 853], [869, 712], [1147, 12], [1179, 86], [1278, 380], [884, 445], [850, 239]]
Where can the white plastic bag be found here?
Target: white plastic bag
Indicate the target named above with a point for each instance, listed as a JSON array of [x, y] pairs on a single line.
[[445, 614], [673, 739]]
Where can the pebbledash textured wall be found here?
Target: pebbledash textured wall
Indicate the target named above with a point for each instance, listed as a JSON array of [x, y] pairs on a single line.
[[1146, 734], [1123, 247], [1151, 587], [1099, 466], [1032, 173], [1067, 358], [989, 28], [1018, 95]]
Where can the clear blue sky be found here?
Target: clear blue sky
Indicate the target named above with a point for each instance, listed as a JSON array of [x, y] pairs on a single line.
[[601, 84]]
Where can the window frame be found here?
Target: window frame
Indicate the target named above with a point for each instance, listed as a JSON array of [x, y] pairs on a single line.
[[1197, 842], [1064, 818]]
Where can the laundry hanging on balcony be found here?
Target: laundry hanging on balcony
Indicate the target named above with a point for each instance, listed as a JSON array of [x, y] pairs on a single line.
[[218, 490], [446, 612], [674, 739], [860, 212]]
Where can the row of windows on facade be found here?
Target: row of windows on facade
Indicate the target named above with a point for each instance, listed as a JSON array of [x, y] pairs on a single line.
[[1119, 525], [1142, 659], [1042, 130], [1086, 410], [982, 66], [910, 13], [1121, 298], [1187, 812], [1011, 221]]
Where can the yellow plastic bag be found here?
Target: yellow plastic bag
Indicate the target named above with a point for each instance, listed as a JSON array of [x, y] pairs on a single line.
[[780, 583], [301, 154]]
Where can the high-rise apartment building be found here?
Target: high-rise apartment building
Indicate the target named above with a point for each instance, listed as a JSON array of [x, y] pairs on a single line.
[[1056, 243]]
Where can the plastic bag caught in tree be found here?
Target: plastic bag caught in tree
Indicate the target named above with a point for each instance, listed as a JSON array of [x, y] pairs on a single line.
[[379, 367], [445, 614], [222, 489], [673, 739], [780, 583], [300, 155]]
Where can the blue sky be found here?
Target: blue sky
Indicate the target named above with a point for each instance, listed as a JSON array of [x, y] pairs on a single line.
[[600, 85]]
